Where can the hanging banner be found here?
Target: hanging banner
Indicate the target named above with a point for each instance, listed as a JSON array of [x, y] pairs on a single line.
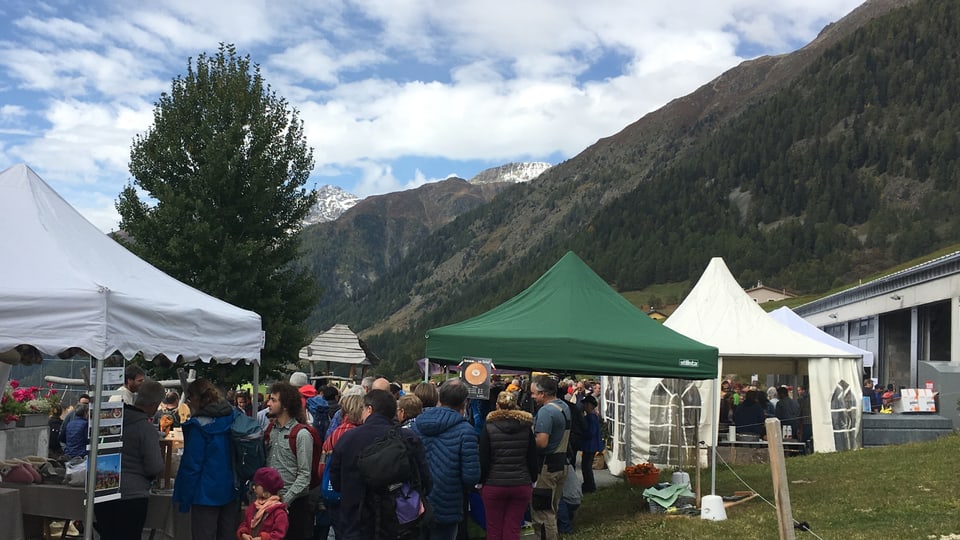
[[106, 432], [475, 374]]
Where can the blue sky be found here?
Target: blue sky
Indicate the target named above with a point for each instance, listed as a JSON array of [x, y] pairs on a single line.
[[393, 94]]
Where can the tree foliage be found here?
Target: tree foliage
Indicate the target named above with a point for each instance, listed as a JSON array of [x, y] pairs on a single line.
[[223, 168]]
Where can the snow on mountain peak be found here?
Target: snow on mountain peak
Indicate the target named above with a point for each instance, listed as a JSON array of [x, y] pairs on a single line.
[[331, 203], [511, 172]]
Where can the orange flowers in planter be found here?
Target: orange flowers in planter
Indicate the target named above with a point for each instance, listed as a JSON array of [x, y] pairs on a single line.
[[641, 469]]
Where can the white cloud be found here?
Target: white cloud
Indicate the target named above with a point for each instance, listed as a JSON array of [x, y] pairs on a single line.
[[374, 81]]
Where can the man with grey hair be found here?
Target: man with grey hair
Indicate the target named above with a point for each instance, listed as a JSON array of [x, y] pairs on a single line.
[[367, 383], [140, 463], [551, 429]]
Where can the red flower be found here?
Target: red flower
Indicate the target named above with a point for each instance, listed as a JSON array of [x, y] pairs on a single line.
[[14, 383]]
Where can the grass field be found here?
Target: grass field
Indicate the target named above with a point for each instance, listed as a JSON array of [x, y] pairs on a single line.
[[909, 491]]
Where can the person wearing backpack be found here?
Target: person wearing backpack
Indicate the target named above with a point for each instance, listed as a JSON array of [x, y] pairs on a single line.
[[451, 447], [352, 412], [296, 469], [205, 483], [367, 509]]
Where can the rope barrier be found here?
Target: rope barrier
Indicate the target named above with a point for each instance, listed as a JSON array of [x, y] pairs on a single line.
[[803, 526]]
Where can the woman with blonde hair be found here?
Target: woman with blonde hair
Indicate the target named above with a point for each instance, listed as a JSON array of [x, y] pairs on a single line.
[[205, 485], [351, 405], [508, 467]]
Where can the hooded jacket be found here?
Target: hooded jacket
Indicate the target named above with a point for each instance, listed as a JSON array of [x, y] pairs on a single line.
[[206, 468], [451, 449], [140, 459], [508, 450]]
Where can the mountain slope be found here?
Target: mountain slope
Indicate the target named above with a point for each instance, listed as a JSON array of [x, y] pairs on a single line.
[[805, 169], [371, 237]]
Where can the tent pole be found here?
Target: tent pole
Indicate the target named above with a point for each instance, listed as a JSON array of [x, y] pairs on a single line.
[[715, 428], [256, 387], [94, 446], [426, 371]]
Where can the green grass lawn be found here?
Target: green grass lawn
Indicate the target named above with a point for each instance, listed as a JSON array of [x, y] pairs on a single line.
[[905, 491], [909, 491]]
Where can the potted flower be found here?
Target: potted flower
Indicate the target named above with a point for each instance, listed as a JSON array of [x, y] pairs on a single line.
[[27, 405], [643, 474]]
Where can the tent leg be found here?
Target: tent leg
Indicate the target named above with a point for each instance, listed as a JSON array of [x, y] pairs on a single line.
[[256, 387], [94, 447], [714, 436]]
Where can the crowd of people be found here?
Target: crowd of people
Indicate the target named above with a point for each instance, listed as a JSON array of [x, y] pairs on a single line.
[[515, 452], [747, 407]]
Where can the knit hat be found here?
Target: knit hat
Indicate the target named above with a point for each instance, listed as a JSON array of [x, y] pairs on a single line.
[[269, 479], [299, 378]]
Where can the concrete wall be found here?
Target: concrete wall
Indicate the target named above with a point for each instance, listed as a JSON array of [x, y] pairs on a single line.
[[885, 429], [20, 442], [946, 379]]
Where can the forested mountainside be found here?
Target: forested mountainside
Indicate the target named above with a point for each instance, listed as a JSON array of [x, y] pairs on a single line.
[[365, 242], [808, 170]]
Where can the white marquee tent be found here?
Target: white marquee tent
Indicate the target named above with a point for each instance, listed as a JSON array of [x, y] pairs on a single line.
[[65, 285], [718, 312], [645, 413]]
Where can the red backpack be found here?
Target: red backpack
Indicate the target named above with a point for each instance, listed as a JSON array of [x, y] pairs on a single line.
[[315, 475]]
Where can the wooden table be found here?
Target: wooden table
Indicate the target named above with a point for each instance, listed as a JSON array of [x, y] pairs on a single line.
[[168, 447]]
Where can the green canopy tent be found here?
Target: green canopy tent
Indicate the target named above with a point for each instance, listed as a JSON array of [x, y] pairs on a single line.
[[570, 320]]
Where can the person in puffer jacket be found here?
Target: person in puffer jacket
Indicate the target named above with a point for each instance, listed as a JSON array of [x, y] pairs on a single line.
[[451, 449], [508, 467], [205, 484]]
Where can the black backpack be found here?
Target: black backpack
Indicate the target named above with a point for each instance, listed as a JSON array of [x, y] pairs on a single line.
[[391, 485], [387, 461]]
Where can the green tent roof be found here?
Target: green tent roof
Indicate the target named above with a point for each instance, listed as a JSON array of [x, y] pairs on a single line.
[[570, 320]]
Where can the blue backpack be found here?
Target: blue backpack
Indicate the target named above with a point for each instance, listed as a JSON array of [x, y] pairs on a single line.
[[246, 439], [319, 409]]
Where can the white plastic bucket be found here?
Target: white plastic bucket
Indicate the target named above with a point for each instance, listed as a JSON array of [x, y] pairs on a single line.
[[711, 508]]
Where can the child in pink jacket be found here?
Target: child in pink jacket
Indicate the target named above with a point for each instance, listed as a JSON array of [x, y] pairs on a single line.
[[266, 517]]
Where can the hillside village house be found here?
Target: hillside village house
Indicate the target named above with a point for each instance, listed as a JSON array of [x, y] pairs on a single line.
[[910, 320], [761, 293]]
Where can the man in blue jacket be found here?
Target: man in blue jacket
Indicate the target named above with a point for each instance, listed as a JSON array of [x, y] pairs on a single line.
[[453, 456]]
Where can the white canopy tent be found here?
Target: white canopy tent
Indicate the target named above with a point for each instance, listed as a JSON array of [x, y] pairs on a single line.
[[67, 285], [718, 312]]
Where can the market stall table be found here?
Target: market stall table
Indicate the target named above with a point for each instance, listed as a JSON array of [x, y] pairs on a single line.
[[61, 502]]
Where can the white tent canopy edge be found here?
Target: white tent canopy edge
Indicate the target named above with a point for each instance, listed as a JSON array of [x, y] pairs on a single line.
[[74, 287]]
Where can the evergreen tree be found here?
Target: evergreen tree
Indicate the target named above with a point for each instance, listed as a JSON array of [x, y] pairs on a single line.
[[223, 168]]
